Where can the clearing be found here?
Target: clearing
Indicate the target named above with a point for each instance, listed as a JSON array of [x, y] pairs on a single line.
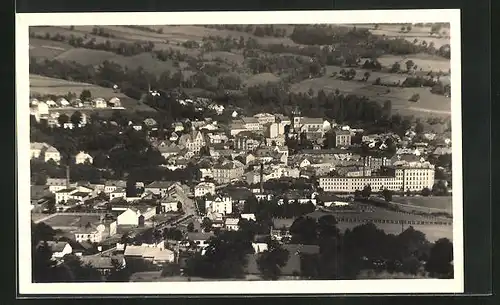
[[440, 203], [426, 62]]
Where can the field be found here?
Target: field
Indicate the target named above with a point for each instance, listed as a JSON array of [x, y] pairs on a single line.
[[46, 85], [71, 220], [423, 61], [419, 33], [432, 232], [47, 49], [439, 203]]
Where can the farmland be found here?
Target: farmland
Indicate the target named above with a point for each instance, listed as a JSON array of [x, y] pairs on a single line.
[[46, 85], [440, 203], [42, 85], [234, 64]]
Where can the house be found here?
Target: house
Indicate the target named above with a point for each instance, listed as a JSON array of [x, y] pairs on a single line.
[[260, 247], [342, 138], [51, 103], [219, 204], [59, 248], [135, 216], [103, 264], [169, 150], [115, 102], [160, 188], [193, 141], [248, 217], [174, 200], [56, 184], [52, 154], [118, 193], [178, 126], [156, 255], [90, 233], [228, 171], [79, 196], [99, 103], [201, 240], [112, 185], [62, 102], [275, 130], [265, 118], [64, 194], [246, 142], [37, 149], [204, 188], [251, 123], [83, 157], [232, 224], [329, 199], [150, 122]]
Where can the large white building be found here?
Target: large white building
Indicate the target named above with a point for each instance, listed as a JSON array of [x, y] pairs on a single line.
[[204, 188], [411, 176], [222, 205]]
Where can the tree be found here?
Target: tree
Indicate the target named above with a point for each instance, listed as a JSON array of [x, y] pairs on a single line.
[[367, 191], [190, 227], [272, 260], [414, 98], [366, 76], [403, 28], [76, 118], [408, 28], [377, 81], [396, 67], [409, 64], [440, 259], [85, 95], [426, 192], [419, 128], [206, 224], [387, 195], [304, 230], [62, 119]]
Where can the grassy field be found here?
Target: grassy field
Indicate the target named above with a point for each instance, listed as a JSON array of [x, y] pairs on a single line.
[[432, 232], [441, 203], [47, 85], [47, 49], [260, 79], [63, 220], [425, 62]]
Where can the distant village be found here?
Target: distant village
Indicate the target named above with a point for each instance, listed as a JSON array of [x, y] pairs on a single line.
[[235, 162]]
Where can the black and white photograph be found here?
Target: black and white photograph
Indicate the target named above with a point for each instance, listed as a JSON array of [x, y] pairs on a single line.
[[239, 153]]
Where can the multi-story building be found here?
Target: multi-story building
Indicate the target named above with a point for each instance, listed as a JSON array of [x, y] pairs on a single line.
[[83, 157], [228, 171], [204, 188], [221, 205], [409, 177], [342, 138], [251, 123], [245, 143], [265, 118], [193, 142], [94, 235], [276, 130]]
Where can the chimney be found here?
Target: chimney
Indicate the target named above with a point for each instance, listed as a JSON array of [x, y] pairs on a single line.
[[67, 176], [262, 178]]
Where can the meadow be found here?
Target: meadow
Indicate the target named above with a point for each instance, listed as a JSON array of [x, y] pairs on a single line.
[[439, 203]]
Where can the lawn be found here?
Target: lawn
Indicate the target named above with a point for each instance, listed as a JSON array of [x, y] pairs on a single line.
[[225, 56], [94, 57], [46, 49], [328, 84], [440, 203], [261, 79], [426, 62], [432, 232], [64, 220], [46, 85]]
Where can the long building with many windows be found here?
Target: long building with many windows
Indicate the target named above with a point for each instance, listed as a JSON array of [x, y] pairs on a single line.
[[406, 177]]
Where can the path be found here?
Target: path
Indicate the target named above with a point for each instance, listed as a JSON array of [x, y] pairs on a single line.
[[45, 218], [429, 110]]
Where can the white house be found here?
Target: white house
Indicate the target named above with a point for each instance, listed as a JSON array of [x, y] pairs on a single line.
[[64, 194], [135, 216], [62, 102], [259, 247], [94, 235], [223, 205], [201, 240], [118, 193], [156, 255], [248, 217], [56, 184], [204, 188], [59, 249], [52, 154], [99, 103], [83, 157], [232, 224]]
